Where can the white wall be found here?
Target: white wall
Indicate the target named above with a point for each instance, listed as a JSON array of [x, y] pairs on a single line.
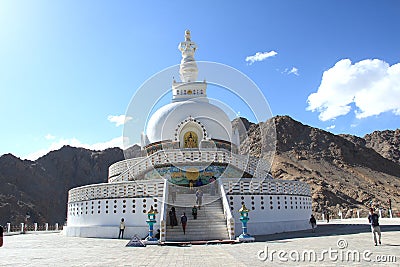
[[95, 212], [285, 215], [105, 231]]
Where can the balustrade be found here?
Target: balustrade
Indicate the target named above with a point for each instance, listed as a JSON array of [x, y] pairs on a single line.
[[132, 168]]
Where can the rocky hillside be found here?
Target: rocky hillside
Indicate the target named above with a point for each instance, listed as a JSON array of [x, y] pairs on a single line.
[[343, 171], [386, 143], [40, 187]]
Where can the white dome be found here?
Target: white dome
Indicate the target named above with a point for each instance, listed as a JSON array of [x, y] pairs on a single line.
[[168, 122]]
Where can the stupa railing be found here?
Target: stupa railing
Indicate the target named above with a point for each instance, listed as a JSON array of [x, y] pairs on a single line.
[[131, 169], [230, 221], [242, 186], [117, 190]]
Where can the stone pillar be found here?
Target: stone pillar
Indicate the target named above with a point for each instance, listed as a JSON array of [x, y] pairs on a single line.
[[22, 227], [358, 214], [46, 226], [380, 213], [56, 226], [8, 227], [323, 217], [35, 227]]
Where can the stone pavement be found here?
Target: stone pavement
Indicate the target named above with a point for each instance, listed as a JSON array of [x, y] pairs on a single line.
[[55, 249]]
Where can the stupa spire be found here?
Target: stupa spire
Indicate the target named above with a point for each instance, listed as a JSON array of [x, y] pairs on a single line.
[[188, 68]]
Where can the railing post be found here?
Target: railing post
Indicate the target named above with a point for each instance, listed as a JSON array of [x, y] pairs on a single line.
[[35, 227], [56, 226], [230, 221], [163, 217], [22, 227], [8, 227], [46, 226]]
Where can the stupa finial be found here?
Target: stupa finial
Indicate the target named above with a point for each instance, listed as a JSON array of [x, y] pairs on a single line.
[[187, 35], [188, 68]]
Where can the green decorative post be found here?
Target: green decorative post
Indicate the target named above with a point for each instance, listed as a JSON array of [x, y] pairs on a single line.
[[151, 220], [244, 218]]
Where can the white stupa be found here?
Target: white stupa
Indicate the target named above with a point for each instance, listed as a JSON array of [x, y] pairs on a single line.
[[189, 142]]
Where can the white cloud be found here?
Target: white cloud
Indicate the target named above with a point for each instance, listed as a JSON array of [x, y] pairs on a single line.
[[50, 137], [372, 85], [119, 119], [293, 70], [115, 142], [331, 127], [260, 56]]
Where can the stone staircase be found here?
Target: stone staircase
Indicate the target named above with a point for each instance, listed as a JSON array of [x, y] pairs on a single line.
[[209, 225]]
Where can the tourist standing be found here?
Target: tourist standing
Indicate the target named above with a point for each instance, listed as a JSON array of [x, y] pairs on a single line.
[[121, 228], [173, 194], [373, 219], [313, 223], [327, 216], [1, 235], [199, 198], [194, 212], [184, 222], [173, 221]]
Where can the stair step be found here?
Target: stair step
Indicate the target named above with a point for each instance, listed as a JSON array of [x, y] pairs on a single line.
[[209, 225]]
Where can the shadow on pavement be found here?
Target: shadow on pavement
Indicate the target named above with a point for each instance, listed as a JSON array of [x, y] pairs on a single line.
[[327, 230]]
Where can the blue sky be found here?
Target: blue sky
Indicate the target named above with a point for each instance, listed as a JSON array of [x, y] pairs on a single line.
[[68, 69]]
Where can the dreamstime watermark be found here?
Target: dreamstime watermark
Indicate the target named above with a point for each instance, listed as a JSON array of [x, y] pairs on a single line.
[[339, 254]]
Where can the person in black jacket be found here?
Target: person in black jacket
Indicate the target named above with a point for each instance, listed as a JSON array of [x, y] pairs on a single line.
[[1, 235], [313, 223], [373, 219]]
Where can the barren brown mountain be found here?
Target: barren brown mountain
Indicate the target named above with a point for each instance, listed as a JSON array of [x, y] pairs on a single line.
[[344, 172]]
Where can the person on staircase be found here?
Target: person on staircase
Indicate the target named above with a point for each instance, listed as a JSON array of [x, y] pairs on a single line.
[[194, 212], [191, 186], [184, 222], [173, 194], [173, 221], [199, 198], [199, 183]]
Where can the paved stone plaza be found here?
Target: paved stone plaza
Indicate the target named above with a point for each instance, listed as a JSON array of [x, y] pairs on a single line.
[[55, 249]]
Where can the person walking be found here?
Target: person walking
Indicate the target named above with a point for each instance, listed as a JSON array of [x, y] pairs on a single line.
[[173, 221], [199, 198], [194, 212], [121, 229], [373, 219], [313, 223], [184, 222]]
